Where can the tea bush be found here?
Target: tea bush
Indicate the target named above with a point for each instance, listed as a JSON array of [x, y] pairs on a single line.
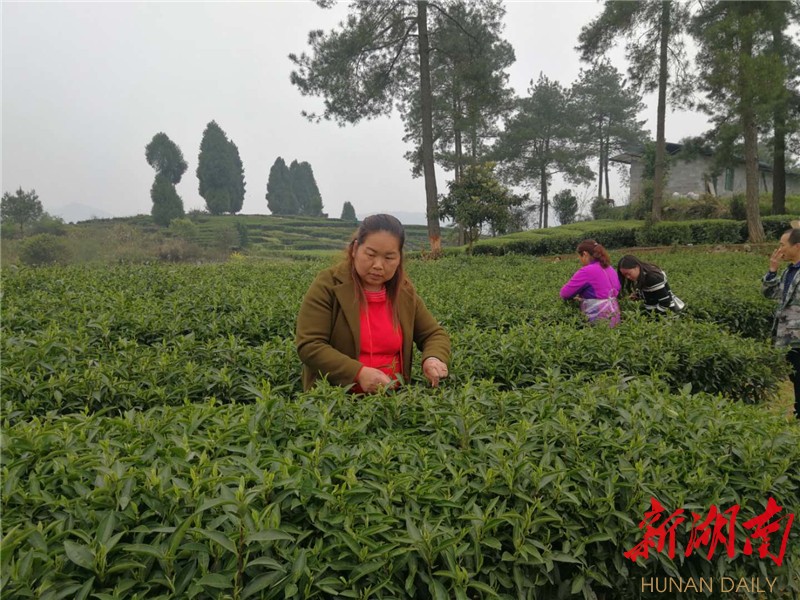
[[156, 443], [681, 353], [77, 339], [464, 492]]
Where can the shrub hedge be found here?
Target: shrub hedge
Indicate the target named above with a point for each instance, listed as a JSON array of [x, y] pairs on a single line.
[[621, 234], [465, 492]]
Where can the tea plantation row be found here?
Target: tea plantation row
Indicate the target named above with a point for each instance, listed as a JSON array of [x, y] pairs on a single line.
[[156, 443], [465, 492]]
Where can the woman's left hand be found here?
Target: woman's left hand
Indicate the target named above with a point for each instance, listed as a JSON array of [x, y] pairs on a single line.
[[434, 370]]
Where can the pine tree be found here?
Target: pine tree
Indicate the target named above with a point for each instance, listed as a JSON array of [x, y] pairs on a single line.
[[743, 80], [655, 49], [379, 57], [546, 136]]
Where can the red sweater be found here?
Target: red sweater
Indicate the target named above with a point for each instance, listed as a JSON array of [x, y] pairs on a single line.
[[381, 340]]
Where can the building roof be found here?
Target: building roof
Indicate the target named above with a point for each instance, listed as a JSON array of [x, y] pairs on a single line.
[[635, 152]]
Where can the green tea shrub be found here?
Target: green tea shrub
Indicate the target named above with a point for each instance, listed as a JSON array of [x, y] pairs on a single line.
[[710, 231], [43, 249], [462, 492], [678, 352], [561, 241], [664, 234], [775, 226]]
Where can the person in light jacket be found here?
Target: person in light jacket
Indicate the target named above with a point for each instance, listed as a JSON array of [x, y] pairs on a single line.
[[786, 290], [595, 284], [359, 319]]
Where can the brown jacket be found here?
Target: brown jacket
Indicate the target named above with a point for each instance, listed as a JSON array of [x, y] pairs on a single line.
[[328, 336]]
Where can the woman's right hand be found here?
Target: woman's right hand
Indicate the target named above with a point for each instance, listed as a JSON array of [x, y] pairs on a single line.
[[371, 380]]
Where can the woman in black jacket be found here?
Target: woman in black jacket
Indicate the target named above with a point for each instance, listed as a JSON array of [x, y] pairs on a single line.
[[649, 283]]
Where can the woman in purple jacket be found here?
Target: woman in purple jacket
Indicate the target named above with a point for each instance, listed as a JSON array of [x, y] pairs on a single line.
[[596, 284]]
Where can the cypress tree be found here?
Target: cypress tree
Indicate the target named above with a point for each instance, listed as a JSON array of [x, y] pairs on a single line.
[[280, 197], [167, 205], [166, 158], [304, 187], [220, 172], [348, 212]]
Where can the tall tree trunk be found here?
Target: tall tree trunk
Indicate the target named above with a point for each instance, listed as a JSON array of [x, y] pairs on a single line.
[[755, 230], [661, 113], [459, 167], [779, 162], [600, 168], [543, 195], [605, 165], [779, 142], [426, 110]]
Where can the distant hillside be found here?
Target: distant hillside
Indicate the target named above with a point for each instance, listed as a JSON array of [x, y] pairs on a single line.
[[268, 234]]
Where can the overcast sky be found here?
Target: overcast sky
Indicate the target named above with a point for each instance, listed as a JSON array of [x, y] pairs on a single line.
[[85, 86]]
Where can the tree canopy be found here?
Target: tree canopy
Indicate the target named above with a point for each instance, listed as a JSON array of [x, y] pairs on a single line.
[[610, 109], [742, 78], [379, 58], [220, 172], [469, 85], [305, 190], [656, 52], [280, 193], [166, 158], [22, 208], [479, 199], [546, 135], [167, 204]]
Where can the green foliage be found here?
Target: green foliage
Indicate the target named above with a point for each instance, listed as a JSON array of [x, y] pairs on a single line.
[[49, 224], [281, 199], [157, 444], [184, 229], [220, 172], [244, 235], [23, 208], [348, 212], [318, 495], [542, 139], [478, 199], [565, 204], [166, 158], [43, 249], [601, 208], [720, 231], [610, 110], [470, 88], [304, 189], [167, 204]]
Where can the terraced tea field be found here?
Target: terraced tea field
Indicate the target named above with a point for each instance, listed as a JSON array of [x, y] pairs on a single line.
[[157, 444]]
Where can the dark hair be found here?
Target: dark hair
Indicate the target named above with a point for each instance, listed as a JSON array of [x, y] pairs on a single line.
[[631, 262], [370, 225], [596, 251], [794, 235]]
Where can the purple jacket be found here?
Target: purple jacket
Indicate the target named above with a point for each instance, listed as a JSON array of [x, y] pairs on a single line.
[[592, 281]]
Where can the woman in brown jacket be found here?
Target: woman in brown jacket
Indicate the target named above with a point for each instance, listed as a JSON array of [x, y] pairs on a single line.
[[359, 319]]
